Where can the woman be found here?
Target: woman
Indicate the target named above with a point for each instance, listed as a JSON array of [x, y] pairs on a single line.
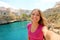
[[36, 26]]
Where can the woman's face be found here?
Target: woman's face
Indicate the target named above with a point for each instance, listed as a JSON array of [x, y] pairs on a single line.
[[35, 16]]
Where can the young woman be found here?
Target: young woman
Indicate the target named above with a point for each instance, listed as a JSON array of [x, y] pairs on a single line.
[[35, 28]]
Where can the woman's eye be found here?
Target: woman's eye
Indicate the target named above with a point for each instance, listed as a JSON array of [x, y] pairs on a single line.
[[37, 15], [33, 14]]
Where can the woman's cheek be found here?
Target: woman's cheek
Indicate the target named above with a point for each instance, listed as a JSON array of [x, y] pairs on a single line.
[[35, 19], [31, 19], [38, 18]]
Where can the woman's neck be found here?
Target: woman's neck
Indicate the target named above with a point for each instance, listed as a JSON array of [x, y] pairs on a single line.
[[35, 24]]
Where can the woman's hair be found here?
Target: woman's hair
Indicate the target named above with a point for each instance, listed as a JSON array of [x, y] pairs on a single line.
[[42, 18]]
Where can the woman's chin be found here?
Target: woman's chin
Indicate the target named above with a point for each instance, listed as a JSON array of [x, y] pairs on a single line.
[[35, 22]]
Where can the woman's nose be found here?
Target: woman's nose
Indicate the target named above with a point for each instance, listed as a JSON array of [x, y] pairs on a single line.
[[35, 16]]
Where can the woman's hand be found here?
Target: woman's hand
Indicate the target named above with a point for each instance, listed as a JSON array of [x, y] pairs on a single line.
[[50, 35]]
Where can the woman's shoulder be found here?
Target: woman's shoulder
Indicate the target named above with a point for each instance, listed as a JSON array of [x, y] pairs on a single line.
[[28, 25], [45, 28]]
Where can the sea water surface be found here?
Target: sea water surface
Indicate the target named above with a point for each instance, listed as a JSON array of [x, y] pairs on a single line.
[[14, 31]]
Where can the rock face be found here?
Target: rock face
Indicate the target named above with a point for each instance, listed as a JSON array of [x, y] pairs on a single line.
[[10, 15], [6, 15], [53, 15], [3, 21]]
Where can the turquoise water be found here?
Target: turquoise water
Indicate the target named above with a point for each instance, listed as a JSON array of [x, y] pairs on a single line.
[[14, 31]]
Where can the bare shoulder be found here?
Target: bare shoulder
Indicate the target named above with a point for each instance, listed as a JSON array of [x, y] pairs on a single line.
[[44, 28]]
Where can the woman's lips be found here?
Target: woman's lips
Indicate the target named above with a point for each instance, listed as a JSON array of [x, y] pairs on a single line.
[[34, 19]]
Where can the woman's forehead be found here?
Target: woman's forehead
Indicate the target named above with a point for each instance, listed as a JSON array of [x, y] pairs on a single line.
[[34, 11]]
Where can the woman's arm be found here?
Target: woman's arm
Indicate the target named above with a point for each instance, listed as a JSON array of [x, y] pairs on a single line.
[[45, 30], [46, 33]]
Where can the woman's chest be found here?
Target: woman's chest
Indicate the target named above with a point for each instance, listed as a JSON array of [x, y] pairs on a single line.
[[37, 32]]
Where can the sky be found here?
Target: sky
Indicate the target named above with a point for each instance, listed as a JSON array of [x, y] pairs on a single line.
[[28, 4]]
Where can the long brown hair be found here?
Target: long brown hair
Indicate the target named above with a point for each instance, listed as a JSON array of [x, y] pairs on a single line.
[[42, 18]]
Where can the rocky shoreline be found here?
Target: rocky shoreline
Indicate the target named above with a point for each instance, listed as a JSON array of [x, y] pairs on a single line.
[[6, 22], [12, 21]]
